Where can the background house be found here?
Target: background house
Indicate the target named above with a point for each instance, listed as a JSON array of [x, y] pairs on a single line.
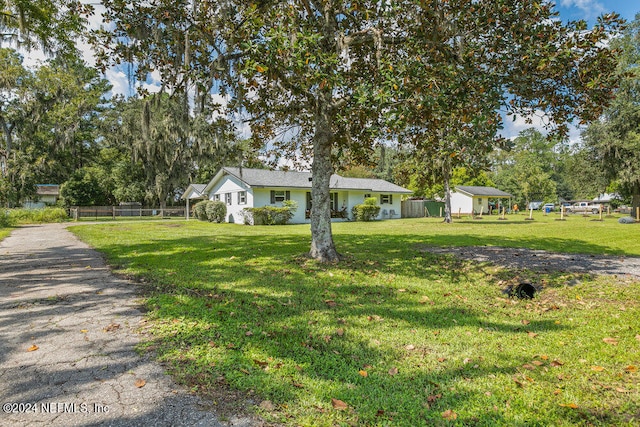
[[46, 195], [470, 200], [244, 188]]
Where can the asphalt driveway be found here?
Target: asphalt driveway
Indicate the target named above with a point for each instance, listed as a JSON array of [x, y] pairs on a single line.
[[67, 342]]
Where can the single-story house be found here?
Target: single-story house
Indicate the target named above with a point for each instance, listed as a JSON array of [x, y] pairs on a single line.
[[607, 198], [46, 195], [470, 200], [242, 188]]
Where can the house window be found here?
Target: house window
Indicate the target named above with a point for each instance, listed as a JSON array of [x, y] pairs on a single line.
[[386, 199], [280, 196], [227, 198], [242, 197], [334, 201], [367, 196], [216, 197]]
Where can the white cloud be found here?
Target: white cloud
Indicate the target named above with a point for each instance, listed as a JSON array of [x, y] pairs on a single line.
[[537, 121], [591, 8], [120, 82], [513, 128]]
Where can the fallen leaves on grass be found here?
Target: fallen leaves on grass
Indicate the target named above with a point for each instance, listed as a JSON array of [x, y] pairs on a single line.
[[261, 363], [631, 368], [611, 341], [556, 363], [339, 404], [363, 373], [393, 371], [449, 415], [597, 368], [569, 405]]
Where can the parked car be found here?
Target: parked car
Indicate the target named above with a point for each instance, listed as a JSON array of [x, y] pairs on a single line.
[[535, 205], [583, 207], [549, 207]]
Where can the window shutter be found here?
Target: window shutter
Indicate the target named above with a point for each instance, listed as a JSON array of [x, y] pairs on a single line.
[[288, 195], [391, 198], [273, 197]]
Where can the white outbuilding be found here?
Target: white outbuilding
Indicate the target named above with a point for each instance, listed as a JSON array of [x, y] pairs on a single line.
[[473, 200]]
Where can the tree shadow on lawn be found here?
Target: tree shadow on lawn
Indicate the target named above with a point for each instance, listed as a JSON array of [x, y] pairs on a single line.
[[271, 323], [283, 348], [253, 302], [364, 253]]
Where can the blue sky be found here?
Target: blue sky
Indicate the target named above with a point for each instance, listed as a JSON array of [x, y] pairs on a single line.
[[591, 9]]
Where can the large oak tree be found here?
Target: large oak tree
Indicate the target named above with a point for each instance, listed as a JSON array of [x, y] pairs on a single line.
[[315, 78], [471, 62], [614, 142]]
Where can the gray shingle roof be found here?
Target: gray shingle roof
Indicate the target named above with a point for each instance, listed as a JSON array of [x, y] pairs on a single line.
[[47, 189], [482, 191], [292, 179], [198, 189]]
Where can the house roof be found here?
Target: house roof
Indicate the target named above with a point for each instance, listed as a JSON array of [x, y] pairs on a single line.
[[47, 190], [481, 191], [607, 197], [196, 191], [263, 178]]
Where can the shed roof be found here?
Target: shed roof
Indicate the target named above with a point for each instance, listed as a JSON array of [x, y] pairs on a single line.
[[47, 189], [482, 191]]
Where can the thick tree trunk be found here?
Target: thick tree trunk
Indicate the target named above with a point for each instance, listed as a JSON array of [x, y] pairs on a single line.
[[447, 192], [322, 246], [635, 200], [7, 130]]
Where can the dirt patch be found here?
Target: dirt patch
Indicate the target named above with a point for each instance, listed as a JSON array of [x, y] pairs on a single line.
[[544, 261]]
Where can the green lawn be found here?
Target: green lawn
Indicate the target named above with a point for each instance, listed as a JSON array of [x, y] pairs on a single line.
[[4, 232], [393, 335]]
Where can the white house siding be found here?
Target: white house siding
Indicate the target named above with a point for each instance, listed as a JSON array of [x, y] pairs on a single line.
[[258, 196], [232, 185], [262, 197], [467, 205], [461, 203]]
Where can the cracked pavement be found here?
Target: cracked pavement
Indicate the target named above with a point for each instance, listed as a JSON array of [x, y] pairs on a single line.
[[68, 331]]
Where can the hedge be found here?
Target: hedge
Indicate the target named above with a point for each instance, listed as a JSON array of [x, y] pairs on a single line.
[[368, 211], [270, 215], [208, 210]]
